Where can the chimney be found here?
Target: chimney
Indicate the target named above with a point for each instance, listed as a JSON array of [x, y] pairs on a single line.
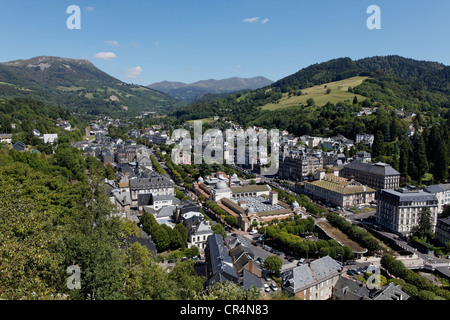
[[229, 179]]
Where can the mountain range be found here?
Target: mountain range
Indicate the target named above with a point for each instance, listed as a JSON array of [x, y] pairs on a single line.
[[192, 91], [78, 85]]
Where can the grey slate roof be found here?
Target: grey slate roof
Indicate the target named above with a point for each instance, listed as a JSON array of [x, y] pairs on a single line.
[[221, 264], [348, 289], [166, 211], [392, 292], [251, 280], [145, 199], [418, 195], [155, 181], [379, 168], [317, 271], [434, 189]]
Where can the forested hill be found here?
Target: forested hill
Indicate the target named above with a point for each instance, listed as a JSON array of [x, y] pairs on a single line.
[[78, 85], [392, 82], [432, 75]]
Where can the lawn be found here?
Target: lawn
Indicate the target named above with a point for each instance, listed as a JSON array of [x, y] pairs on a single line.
[[339, 92]]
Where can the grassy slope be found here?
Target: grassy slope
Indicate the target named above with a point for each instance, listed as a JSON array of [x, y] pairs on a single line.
[[339, 92]]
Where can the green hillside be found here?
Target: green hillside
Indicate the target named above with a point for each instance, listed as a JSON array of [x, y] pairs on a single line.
[[332, 92], [79, 86]]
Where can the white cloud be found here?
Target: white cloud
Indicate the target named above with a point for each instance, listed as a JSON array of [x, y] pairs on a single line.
[[251, 20], [105, 55], [113, 43], [90, 9], [265, 21], [134, 72]]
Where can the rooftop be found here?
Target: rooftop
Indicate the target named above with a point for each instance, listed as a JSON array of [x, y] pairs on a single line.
[[378, 168], [340, 185]]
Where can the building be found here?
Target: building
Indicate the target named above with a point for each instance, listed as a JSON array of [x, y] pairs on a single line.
[[314, 280], [259, 208], [219, 265], [198, 229], [155, 184], [375, 175], [5, 138], [340, 191], [50, 138], [399, 210], [295, 167], [366, 139], [349, 289], [19, 146], [443, 230], [440, 192]]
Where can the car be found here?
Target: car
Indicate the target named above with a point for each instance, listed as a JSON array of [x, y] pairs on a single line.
[[274, 287], [266, 277], [266, 287], [291, 259], [184, 259], [350, 272], [254, 232], [351, 263]]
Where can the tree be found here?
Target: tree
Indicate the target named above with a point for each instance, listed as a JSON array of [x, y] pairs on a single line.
[[424, 228], [404, 156], [310, 102], [231, 220], [355, 99], [227, 290], [378, 147], [273, 264], [219, 229], [419, 158]]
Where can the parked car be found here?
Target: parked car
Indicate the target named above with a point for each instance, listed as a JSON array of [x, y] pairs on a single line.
[[274, 287], [351, 263], [254, 232], [350, 272], [266, 287]]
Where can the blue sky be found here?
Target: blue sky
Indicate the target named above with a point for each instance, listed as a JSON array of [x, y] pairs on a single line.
[[190, 40]]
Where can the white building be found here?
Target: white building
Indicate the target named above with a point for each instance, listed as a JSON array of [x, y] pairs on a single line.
[[6, 138], [399, 210], [50, 138]]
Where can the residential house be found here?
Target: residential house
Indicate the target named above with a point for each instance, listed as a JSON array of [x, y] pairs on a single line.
[[19, 146], [50, 138], [312, 281], [6, 138]]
